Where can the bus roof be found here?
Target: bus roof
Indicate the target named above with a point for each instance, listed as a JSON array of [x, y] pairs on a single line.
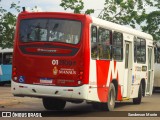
[[6, 50], [120, 28]]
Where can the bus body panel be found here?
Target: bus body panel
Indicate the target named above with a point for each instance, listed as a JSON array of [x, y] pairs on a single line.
[[157, 75], [106, 71], [6, 74], [157, 65]]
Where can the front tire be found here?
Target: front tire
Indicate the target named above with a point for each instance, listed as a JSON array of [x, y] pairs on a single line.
[[111, 97], [109, 106], [139, 98], [53, 104]]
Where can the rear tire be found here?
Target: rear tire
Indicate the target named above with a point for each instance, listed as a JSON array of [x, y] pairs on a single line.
[[139, 98], [53, 104]]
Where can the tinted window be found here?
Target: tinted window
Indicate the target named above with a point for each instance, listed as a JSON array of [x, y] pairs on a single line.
[[51, 30], [158, 55], [140, 50], [7, 58], [104, 43], [117, 44], [135, 50], [100, 43], [94, 41]]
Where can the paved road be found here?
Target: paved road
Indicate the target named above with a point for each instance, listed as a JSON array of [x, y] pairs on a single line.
[[10, 103]]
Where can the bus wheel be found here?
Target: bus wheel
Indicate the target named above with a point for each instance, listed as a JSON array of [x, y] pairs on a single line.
[[139, 98], [53, 104], [109, 106], [111, 97]]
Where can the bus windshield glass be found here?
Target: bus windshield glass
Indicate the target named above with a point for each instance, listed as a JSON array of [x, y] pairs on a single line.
[[7, 58], [50, 30]]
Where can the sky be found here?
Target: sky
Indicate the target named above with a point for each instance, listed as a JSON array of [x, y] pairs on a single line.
[[54, 5]]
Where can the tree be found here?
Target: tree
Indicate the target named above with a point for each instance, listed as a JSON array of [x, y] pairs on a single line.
[[7, 26], [125, 12], [76, 5], [153, 24], [133, 13]]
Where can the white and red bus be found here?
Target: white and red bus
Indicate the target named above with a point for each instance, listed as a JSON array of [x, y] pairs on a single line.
[[65, 57]]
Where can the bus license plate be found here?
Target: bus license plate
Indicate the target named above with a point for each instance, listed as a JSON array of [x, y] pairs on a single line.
[[46, 80]]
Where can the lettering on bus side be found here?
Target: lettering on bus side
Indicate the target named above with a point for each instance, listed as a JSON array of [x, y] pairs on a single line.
[[64, 62], [137, 68]]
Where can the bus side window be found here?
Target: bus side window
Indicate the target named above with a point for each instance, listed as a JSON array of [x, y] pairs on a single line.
[[94, 51], [158, 55], [135, 49], [117, 44], [140, 50], [104, 44], [155, 55]]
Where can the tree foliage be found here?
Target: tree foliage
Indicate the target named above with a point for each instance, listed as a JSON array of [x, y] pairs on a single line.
[[152, 24], [7, 26], [76, 5], [125, 12], [134, 13]]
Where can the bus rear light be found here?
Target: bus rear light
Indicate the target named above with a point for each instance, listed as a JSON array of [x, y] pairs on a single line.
[[81, 75], [14, 73], [81, 72]]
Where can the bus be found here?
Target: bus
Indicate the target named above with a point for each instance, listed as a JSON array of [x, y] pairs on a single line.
[[5, 65], [157, 66], [65, 57]]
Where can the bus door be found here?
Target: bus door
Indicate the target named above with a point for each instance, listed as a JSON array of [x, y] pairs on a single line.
[[150, 71], [128, 69]]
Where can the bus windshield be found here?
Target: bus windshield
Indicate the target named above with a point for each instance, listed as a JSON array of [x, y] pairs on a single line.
[[50, 30], [7, 58]]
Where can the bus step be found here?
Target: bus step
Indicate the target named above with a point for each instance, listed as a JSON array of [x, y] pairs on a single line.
[[126, 98]]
